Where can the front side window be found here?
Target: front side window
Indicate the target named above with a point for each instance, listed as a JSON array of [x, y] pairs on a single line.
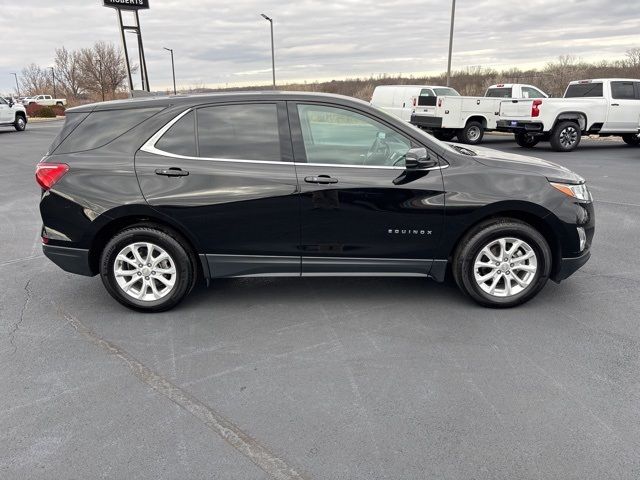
[[442, 92], [506, 92], [247, 131], [3, 101], [338, 136], [623, 90]]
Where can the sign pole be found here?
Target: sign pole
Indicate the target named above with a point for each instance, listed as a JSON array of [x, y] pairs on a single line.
[[143, 61], [126, 52]]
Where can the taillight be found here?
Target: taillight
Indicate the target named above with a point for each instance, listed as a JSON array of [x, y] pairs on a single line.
[[535, 110], [48, 174], [414, 101]]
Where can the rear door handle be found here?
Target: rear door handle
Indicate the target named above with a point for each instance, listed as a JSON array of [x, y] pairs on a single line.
[[615, 104], [172, 172], [321, 179]]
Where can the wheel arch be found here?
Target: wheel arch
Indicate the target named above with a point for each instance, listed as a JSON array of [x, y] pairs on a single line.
[[580, 117], [477, 118], [533, 215], [112, 225]]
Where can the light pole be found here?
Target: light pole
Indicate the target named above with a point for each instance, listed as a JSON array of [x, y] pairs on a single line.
[[273, 56], [53, 75], [453, 16], [17, 87], [173, 69]]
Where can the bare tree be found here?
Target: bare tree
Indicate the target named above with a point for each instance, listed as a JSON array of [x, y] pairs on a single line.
[[68, 71], [34, 80], [103, 69]]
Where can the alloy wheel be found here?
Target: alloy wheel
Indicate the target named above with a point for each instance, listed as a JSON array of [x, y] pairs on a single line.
[[505, 267]]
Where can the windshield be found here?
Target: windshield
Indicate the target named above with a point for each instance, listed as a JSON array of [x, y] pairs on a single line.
[[445, 91]]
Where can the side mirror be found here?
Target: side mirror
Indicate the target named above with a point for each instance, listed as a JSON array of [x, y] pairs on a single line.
[[419, 158], [10, 102]]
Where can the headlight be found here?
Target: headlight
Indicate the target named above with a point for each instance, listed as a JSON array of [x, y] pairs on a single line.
[[579, 192]]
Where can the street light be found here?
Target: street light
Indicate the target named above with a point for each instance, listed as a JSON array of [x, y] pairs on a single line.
[[453, 15], [273, 57], [53, 75], [173, 69], [17, 86]]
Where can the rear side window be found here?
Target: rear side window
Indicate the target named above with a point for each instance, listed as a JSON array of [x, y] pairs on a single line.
[[584, 90], [180, 139], [102, 127], [246, 132], [72, 120], [499, 93], [623, 90], [528, 92]]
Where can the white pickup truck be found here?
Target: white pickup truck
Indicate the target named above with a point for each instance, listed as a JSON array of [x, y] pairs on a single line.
[[468, 117], [12, 114], [44, 100], [605, 107]]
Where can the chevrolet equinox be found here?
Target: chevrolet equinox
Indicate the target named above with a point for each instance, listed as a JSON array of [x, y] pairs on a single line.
[[154, 194]]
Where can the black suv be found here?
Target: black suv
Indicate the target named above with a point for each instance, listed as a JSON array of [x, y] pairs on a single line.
[[153, 194]]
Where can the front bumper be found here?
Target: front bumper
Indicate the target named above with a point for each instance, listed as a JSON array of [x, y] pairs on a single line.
[[569, 266], [519, 126], [72, 260]]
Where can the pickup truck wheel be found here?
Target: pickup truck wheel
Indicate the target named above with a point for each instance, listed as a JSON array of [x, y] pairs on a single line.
[[502, 263], [632, 139], [526, 140], [59, 103], [472, 133], [20, 124], [565, 137]]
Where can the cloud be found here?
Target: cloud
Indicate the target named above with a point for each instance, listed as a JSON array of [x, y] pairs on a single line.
[[219, 43]]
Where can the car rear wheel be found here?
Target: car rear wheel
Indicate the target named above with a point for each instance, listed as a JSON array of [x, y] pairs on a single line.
[[566, 137], [147, 269], [502, 263], [472, 133], [20, 124], [632, 139], [526, 140]]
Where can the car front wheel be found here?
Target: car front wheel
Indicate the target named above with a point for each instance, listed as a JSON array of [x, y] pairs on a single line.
[[20, 124], [147, 269], [502, 263], [632, 139]]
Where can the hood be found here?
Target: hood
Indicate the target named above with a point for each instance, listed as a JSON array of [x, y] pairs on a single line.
[[513, 161]]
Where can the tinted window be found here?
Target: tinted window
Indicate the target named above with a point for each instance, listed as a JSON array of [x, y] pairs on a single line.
[[441, 92], [247, 132], [528, 92], [584, 90], [102, 127], [338, 136], [181, 137], [72, 120], [499, 93], [623, 90], [425, 94], [3, 101]]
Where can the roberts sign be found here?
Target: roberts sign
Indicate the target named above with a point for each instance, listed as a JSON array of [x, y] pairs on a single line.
[[127, 4]]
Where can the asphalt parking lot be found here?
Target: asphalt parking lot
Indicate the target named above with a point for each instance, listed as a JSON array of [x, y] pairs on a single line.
[[323, 378]]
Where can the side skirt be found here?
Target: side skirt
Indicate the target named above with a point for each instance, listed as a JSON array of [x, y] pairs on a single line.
[[226, 266]]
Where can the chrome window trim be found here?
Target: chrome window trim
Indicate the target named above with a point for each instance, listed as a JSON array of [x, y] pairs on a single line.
[[150, 147]]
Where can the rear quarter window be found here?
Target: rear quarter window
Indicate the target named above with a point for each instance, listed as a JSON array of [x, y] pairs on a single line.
[[102, 127], [589, 90]]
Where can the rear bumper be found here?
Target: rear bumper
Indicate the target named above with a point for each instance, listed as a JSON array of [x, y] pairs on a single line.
[[569, 266], [72, 260], [426, 121], [519, 126]]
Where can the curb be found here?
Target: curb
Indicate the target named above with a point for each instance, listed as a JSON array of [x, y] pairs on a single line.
[[42, 120]]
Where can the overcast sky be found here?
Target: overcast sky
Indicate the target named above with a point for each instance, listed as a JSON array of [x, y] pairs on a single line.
[[218, 43]]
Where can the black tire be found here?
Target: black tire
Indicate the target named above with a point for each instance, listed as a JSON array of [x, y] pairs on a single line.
[[526, 140], [59, 103], [20, 124], [445, 135], [178, 250], [632, 139], [483, 234], [565, 137], [472, 133]]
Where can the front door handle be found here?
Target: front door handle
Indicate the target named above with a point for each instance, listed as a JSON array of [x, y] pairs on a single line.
[[321, 179], [615, 104], [172, 172]]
